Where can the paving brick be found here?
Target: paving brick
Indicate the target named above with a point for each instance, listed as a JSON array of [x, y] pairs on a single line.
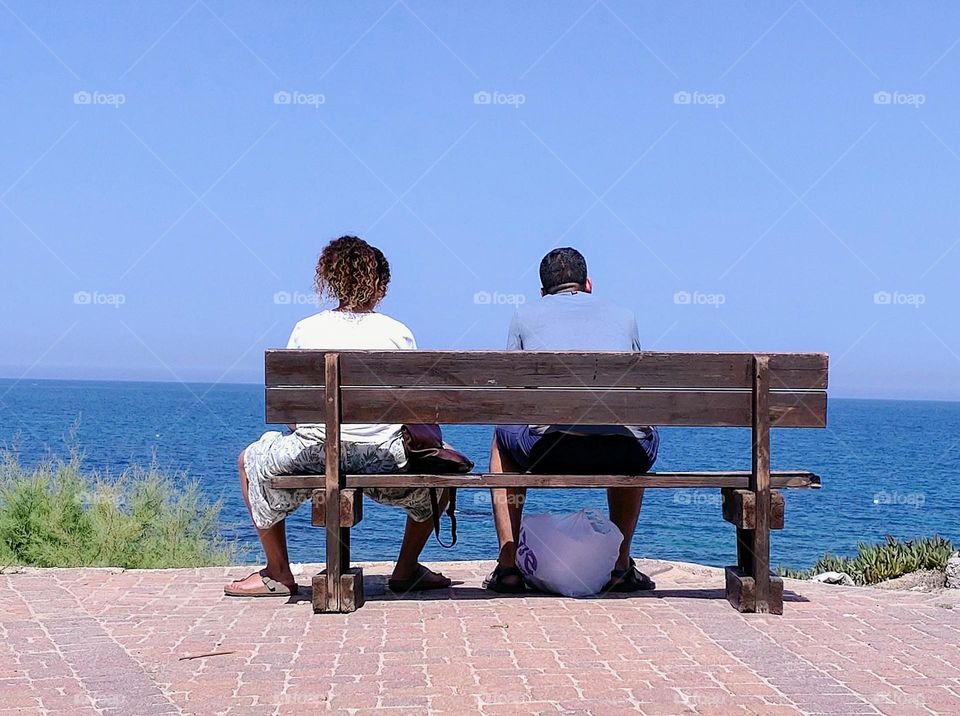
[[78, 641]]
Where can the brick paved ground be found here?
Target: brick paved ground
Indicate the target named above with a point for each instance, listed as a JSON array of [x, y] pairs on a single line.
[[87, 641]]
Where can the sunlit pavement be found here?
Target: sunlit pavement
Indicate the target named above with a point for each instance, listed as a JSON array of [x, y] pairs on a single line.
[[86, 641]]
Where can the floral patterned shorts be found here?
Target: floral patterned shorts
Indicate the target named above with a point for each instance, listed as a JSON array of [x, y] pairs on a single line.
[[276, 454]]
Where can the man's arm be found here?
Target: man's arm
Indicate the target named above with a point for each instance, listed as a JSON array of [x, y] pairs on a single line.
[[514, 339], [635, 333]]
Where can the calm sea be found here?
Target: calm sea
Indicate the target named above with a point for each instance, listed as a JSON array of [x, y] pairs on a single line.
[[888, 467]]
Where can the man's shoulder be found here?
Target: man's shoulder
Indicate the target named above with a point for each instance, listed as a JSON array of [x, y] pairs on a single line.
[[526, 309], [600, 307], [613, 310], [533, 314]]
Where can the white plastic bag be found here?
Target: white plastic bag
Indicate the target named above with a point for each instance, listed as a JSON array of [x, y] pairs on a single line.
[[571, 555]]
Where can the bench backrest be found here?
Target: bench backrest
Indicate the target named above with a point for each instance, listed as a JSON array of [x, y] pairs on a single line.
[[540, 387]]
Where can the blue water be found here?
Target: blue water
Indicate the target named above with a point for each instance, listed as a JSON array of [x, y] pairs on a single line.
[[888, 467]]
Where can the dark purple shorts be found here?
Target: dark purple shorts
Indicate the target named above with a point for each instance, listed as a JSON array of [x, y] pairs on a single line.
[[578, 454]]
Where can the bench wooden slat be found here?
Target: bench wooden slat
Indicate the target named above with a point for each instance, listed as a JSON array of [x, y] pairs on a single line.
[[734, 479], [549, 369], [546, 406], [758, 391]]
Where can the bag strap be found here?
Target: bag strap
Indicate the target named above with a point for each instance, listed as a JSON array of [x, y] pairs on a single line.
[[451, 513]]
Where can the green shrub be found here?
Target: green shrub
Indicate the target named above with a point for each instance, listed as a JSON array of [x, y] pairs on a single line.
[[57, 515], [878, 563]]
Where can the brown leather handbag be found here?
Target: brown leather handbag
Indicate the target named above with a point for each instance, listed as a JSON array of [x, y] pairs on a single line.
[[428, 454]]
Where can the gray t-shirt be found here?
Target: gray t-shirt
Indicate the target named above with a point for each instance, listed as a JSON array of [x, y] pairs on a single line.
[[576, 322]]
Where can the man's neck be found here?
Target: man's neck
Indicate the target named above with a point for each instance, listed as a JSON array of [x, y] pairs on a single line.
[[565, 288]]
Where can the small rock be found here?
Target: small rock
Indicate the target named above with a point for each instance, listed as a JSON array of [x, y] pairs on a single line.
[[953, 571], [841, 578], [928, 580]]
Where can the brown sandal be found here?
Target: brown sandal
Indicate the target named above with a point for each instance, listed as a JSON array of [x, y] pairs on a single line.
[[419, 582], [269, 588], [630, 579]]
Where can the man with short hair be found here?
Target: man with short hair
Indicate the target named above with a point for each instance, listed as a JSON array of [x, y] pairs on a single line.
[[570, 317]]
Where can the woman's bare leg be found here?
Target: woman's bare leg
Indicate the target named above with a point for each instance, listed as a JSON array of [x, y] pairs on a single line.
[[274, 542]]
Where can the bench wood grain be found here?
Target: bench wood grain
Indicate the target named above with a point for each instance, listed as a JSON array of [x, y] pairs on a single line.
[[548, 406], [747, 390], [735, 480], [546, 369]]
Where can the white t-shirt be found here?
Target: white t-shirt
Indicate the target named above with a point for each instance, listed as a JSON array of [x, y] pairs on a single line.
[[331, 330]]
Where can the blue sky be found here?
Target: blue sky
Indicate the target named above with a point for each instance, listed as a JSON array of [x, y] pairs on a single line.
[[765, 176]]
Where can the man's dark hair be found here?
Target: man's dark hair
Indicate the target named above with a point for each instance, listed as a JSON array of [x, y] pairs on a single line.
[[563, 267]]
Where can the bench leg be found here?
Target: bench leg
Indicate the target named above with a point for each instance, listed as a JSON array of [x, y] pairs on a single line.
[[351, 578], [742, 580], [339, 587], [749, 586], [740, 509]]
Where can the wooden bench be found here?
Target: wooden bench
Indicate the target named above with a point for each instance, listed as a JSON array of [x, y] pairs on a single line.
[[760, 391]]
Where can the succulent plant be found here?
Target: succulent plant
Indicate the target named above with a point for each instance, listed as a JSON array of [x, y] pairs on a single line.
[[877, 563]]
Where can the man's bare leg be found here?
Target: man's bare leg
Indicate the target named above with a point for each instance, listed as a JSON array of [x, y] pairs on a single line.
[[507, 509], [274, 542], [624, 504]]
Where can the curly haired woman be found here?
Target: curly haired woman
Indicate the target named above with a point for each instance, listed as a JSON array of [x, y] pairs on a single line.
[[356, 275]]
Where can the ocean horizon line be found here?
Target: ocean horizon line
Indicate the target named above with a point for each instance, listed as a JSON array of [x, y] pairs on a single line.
[[833, 396]]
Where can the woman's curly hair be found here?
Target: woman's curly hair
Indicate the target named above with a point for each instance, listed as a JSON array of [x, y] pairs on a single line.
[[353, 272]]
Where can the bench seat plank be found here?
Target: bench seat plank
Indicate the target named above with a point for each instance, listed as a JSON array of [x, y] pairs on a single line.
[[735, 479]]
